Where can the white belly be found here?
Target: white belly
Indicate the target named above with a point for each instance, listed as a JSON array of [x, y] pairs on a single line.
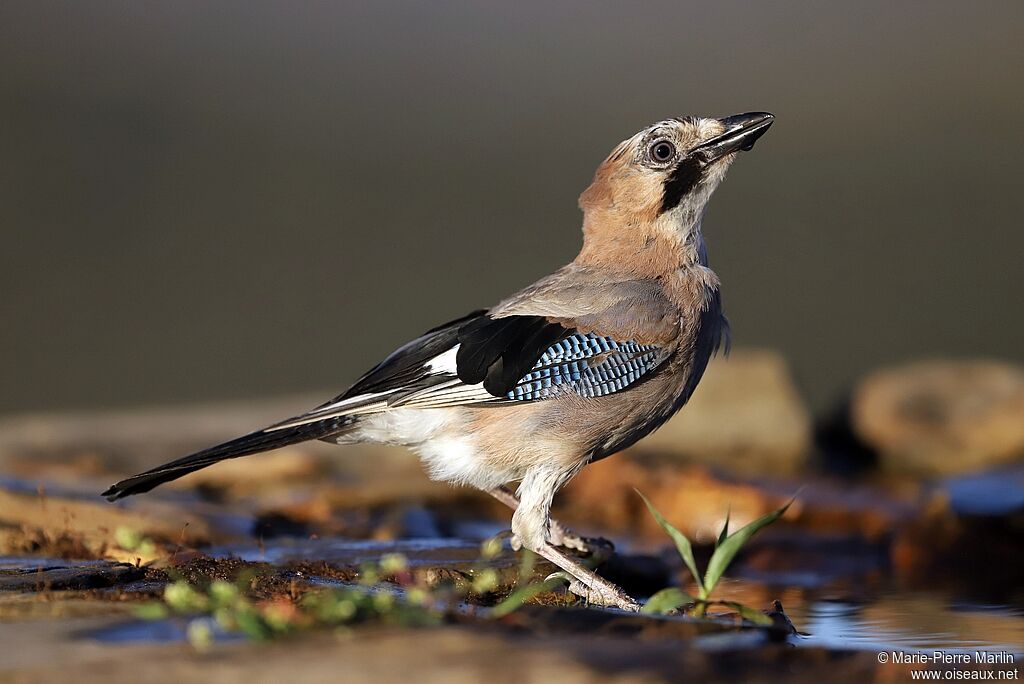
[[438, 435]]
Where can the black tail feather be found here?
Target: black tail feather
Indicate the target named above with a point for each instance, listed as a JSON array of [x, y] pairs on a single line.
[[243, 446]]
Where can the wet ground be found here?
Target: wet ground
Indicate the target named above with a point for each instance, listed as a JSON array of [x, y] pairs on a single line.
[[865, 568]]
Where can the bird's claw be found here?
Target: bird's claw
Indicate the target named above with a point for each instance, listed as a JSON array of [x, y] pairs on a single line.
[[602, 594], [598, 548]]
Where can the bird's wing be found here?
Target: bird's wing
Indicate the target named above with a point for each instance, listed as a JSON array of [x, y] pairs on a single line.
[[501, 357]]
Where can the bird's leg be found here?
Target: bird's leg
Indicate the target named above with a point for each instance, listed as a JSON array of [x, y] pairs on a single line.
[[586, 583], [558, 534], [531, 526]]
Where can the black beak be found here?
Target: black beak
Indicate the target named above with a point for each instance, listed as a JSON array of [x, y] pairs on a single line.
[[741, 132]]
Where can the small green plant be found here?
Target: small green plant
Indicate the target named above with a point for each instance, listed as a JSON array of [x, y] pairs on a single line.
[[132, 541], [526, 590], [726, 547], [386, 592], [225, 605]]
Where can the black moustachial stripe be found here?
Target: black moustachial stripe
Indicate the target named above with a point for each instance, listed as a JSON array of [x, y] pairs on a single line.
[[684, 178], [500, 351]]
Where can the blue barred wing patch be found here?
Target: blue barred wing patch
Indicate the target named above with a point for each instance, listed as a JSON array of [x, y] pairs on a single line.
[[588, 365]]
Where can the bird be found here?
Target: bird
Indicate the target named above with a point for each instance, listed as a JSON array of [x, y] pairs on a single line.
[[567, 371]]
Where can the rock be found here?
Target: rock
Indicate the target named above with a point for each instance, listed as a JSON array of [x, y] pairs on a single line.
[[746, 416], [942, 417], [999, 493], [235, 478], [968, 536], [696, 500], [130, 440], [90, 525], [39, 574]]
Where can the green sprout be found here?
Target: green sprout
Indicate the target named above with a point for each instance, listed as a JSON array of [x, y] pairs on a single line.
[[726, 547], [131, 540], [225, 606]]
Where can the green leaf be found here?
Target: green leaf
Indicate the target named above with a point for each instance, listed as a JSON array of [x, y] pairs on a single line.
[[222, 593], [183, 598], [250, 624], [724, 534], [682, 543], [200, 634], [749, 614], [491, 548], [666, 600], [527, 561], [151, 611], [127, 538], [731, 545]]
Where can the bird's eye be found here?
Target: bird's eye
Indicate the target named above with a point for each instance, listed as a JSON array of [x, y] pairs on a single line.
[[662, 151]]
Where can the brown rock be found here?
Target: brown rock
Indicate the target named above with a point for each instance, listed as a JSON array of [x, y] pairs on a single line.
[[45, 574], [92, 524], [275, 469], [696, 500], [131, 440], [745, 416], [941, 417]]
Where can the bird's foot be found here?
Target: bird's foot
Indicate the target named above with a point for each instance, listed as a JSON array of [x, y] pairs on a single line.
[[598, 549], [600, 592]]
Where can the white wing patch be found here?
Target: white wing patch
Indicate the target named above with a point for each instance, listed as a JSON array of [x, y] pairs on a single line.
[[444, 363]]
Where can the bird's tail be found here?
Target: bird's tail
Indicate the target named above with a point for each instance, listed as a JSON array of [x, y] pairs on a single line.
[[263, 440]]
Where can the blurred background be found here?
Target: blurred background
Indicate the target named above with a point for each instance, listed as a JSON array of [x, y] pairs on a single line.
[[210, 201]]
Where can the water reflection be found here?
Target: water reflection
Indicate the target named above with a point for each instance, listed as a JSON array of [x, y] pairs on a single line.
[[911, 623]]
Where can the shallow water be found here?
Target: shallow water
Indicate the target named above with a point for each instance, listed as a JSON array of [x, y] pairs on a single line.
[[433, 551], [909, 623], [157, 631]]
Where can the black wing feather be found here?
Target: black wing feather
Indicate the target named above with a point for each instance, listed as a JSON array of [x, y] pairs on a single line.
[[522, 356], [404, 367], [482, 342], [500, 351]]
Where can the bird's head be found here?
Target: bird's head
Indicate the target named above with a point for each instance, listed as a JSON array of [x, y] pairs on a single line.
[[653, 187]]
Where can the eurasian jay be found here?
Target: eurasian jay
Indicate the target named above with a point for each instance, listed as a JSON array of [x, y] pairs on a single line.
[[573, 368]]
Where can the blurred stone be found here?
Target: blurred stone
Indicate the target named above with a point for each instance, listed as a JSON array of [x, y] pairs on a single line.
[[999, 493], [131, 440], [67, 525], [44, 574], [696, 500], [746, 416], [275, 469], [942, 417], [975, 557]]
